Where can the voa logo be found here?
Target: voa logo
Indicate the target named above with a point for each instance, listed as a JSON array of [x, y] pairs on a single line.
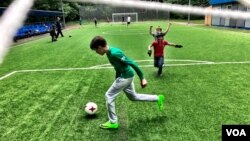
[[236, 132]]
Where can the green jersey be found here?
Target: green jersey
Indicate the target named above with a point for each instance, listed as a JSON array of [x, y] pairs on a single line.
[[122, 64]]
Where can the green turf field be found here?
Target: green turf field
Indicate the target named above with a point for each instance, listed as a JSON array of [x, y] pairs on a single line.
[[206, 84]]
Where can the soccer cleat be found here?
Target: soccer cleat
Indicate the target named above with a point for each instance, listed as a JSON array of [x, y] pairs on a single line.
[[160, 102], [159, 75], [109, 125]]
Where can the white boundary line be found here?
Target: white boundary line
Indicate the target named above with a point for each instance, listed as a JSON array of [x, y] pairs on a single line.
[[108, 66], [176, 60], [119, 34], [123, 30], [7, 75]]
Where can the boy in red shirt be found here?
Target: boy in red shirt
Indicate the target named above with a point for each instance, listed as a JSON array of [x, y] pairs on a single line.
[[159, 45]]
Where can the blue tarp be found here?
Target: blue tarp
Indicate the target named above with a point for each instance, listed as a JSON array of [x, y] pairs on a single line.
[[35, 28], [215, 2]]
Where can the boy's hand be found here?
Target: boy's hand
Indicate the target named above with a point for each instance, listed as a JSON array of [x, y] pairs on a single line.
[[149, 52], [144, 83], [178, 46]]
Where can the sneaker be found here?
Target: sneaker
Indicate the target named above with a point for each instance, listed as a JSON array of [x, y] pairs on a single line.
[[160, 102], [159, 75], [109, 125]]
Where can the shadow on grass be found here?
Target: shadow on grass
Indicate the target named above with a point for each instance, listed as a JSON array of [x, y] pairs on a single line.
[[143, 128], [168, 75], [150, 122], [90, 117]]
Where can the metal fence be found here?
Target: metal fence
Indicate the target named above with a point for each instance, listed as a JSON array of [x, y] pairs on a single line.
[[104, 12]]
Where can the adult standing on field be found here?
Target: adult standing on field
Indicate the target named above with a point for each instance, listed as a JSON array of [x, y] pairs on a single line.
[[95, 21], [58, 27], [128, 20], [80, 21], [123, 20]]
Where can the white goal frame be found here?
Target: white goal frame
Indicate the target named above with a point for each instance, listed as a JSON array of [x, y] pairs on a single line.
[[124, 14]]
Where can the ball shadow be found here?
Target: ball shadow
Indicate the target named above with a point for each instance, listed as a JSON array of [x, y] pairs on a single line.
[[90, 117]]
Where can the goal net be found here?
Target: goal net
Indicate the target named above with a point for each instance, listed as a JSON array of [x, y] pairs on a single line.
[[122, 17]]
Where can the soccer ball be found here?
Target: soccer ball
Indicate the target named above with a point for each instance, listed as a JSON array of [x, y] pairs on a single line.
[[90, 108]]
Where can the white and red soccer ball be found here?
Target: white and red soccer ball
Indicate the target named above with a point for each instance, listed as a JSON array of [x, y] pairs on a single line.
[[91, 108]]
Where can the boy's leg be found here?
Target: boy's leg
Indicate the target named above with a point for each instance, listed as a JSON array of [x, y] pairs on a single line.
[[113, 91], [156, 61], [57, 34], [61, 33], [132, 95], [53, 37], [160, 65]]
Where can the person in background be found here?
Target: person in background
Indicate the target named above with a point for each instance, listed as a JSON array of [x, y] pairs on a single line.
[[128, 20], [80, 21], [58, 27], [123, 19], [95, 21], [53, 33]]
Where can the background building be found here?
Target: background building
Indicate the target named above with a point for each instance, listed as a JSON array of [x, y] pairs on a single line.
[[227, 22]]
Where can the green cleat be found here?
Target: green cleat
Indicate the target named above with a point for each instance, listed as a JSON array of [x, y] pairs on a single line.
[[109, 125], [160, 102]]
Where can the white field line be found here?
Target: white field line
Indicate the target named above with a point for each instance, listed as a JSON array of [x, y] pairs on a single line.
[[119, 34], [7, 75], [169, 65], [108, 66], [176, 60], [125, 31]]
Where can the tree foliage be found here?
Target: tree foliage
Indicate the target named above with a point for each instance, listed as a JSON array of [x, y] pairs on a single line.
[[70, 8], [5, 3]]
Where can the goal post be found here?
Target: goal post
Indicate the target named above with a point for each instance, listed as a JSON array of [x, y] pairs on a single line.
[[117, 17]]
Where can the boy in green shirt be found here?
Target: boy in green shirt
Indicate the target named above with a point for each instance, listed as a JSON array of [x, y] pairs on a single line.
[[124, 80]]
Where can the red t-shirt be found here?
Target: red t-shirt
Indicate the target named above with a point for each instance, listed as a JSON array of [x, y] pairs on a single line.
[[159, 48]]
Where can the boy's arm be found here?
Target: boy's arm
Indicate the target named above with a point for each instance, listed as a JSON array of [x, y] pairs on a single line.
[[138, 71], [134, 65], [175, 45], [149, 50], [169, 24], [150, 46], [150, 30], [117, 74]]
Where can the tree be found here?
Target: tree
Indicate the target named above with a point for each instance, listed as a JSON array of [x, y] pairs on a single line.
[[5, 3], [71, 11]]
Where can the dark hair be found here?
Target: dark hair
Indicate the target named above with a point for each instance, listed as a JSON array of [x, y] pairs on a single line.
[[159, 28], [97, 41]]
